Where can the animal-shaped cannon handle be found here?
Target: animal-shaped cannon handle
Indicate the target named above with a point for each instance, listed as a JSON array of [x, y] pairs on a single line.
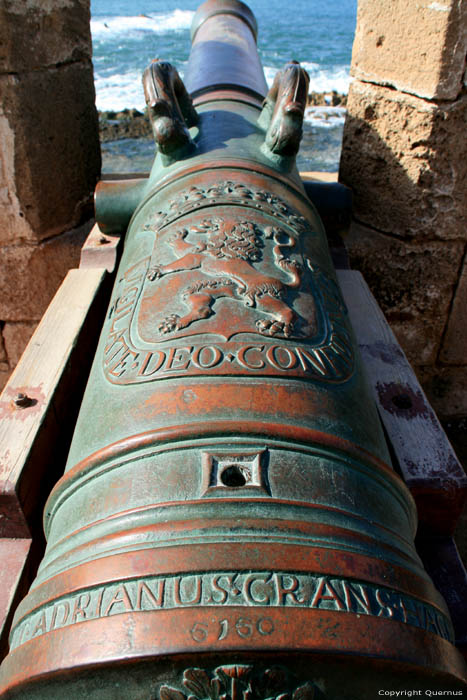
[[283, 110], [170, 108]]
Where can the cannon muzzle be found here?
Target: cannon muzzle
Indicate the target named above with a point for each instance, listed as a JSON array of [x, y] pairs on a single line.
[[229, 526], [223, 54]]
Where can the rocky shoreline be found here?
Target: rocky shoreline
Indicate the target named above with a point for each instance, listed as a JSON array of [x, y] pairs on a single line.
[[133, 124]]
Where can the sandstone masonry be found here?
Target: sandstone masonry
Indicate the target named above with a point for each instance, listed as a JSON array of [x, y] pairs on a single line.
[[416, 47], [405, 157], [49, 157]]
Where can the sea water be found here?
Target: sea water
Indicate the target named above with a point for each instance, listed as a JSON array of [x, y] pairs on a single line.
[[127, 35]]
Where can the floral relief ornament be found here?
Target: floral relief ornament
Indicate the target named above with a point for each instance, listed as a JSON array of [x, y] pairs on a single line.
[[239, 682]]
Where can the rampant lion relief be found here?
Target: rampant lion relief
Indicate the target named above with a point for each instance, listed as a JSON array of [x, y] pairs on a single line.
[[223, 286], [224, 253]]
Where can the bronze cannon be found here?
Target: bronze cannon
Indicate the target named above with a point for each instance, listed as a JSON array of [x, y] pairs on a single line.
[[229, 525]]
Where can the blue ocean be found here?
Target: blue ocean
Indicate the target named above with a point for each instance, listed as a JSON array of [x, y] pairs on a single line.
[[128, 35]]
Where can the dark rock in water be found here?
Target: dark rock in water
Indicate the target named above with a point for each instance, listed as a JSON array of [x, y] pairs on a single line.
[[127, 124], [327, 99]]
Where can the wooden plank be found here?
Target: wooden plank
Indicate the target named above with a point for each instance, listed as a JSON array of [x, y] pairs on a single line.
[[39, 404], [100, 250], [424, 455], [319, 176], [14, 582]]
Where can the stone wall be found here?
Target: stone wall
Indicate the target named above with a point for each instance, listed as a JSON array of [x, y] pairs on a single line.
[[49, 158], [405, 157]]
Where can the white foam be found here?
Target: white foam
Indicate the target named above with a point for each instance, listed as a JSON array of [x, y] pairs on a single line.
[[337, 79], [269, 73], [110, 28], [121, 91], [321, 80], [310, 67]]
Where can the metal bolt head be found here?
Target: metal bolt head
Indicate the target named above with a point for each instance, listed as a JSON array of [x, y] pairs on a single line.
[[22, 400]]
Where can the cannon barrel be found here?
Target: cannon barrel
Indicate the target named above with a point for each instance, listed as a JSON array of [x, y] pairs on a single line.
[[229, 526], [223, 53]]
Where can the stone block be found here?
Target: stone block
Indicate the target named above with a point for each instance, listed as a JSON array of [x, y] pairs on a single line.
[[419, 337], [31, 274], [454, 350], [406, 162], [50, 149], [16, 336], [416, 47], [412, 282], [446, 389], [40, 33]]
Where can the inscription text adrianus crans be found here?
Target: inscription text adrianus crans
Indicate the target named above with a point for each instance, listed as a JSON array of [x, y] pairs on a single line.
[[252, 590]]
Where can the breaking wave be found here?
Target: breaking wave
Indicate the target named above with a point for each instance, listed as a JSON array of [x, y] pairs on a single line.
[[120, 91], [111, 28]]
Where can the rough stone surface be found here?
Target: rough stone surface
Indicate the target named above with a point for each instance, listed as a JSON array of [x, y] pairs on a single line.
[[51, 161], [31, 274], [49, 157], [40, 33], [16, 336], [446, 389], [413, 283], [416, 47], [454, 350], [406, 162]]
